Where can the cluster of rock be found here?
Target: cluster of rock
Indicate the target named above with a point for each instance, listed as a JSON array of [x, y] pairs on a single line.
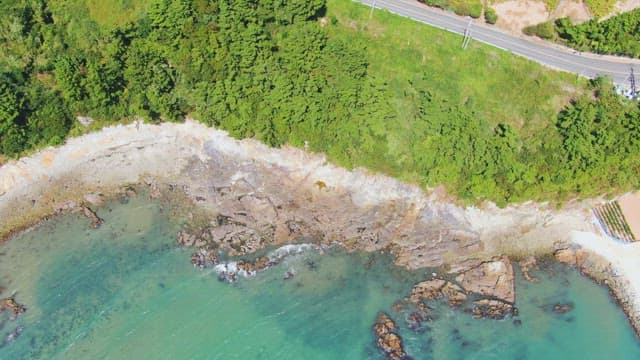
[[204, 258], [387, 338], [493, 281], [415, 320], [255, 266], [526, 266], [12, 305], [438, 288], [492, 309]]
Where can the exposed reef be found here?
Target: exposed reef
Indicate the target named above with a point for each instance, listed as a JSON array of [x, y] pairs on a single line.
[[387, 339]]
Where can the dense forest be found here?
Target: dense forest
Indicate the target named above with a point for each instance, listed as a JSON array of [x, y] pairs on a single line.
[[274, 70], [618, 35]]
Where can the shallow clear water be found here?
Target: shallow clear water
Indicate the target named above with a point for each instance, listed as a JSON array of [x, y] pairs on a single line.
[[125, 291]]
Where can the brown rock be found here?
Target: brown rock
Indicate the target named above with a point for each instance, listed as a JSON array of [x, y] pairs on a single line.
[[11, 304], [254, 266], [437, 288], [581, 257], [397, 307], [494, 278], [204, 258], [567, 256], [454, 293], [492, 309], [427, 290]]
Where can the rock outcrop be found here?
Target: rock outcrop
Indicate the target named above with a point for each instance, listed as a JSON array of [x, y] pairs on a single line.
[[387, 338], [493, 279], [492, 309], [204, 258], [255, 266], [570, 256]]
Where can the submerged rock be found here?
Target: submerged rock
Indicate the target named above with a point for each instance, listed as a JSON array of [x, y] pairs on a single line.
[[12, 336], [96, 221], [527, 265], [288, 275], [387, 339], [416, 319], [562, 308]]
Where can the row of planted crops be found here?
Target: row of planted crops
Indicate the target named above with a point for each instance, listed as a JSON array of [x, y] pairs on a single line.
[[614, 223]]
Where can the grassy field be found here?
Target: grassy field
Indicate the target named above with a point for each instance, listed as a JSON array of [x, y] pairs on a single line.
[[497, 86], [503, 88], [600, 8], [109, 13]]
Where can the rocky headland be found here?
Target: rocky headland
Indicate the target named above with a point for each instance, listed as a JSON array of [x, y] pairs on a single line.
[[244, 196]]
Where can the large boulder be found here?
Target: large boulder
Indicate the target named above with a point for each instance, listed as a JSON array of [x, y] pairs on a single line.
[[493, 279]]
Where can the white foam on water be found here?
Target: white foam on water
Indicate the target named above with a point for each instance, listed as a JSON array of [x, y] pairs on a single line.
[[229, 270]]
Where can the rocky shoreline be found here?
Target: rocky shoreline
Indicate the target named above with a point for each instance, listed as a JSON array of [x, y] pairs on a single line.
[[247, 197]]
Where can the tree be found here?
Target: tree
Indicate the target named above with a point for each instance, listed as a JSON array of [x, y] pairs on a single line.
[[69, 78], [10, 106]]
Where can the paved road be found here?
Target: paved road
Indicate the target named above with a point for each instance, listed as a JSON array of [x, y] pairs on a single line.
[[558, 57]]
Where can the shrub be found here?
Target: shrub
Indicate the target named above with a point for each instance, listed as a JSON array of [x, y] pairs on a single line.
[[545, 30], [490, 16]]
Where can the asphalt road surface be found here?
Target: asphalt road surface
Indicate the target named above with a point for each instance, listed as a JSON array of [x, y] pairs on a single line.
[[554, 56]]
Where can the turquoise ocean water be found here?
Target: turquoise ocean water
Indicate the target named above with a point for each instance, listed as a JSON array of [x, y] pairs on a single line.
[[125, 291]]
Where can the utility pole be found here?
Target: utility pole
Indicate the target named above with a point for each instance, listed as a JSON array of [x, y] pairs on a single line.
[[373, 6], [467, 35]]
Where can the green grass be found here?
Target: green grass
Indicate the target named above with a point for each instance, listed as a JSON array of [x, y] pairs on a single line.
[[503, 88], [110, 13], [600, 8]]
